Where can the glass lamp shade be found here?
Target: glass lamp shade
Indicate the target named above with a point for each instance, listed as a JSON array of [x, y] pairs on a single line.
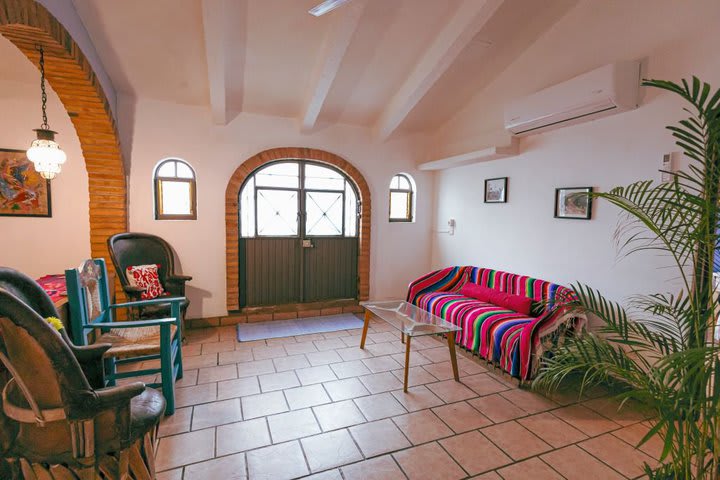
[[46, 154]]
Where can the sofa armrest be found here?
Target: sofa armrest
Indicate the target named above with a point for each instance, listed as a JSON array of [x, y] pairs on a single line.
[[442, 280]]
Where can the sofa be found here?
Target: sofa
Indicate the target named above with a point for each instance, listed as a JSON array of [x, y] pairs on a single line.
[[508, 319]]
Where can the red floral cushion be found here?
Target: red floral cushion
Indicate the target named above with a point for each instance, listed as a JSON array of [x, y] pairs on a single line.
[[146, 277]]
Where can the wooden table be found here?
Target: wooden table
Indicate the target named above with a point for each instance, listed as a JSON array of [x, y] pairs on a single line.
[[412, 322]]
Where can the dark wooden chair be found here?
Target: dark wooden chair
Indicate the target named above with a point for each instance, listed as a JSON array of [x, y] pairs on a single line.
[[55, 424], [131, 249], [92, 316]]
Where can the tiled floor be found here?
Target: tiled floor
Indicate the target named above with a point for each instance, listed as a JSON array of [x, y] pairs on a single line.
[[318, 406]]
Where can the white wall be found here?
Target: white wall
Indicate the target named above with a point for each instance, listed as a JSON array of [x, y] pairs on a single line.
[[522, 236], [399, 252], [40, 246]]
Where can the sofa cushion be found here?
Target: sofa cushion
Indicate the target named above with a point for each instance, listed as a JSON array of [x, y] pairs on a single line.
[[518, 303]]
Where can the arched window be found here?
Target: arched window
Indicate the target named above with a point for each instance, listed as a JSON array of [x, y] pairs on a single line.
[[402, 201], [175, 195]]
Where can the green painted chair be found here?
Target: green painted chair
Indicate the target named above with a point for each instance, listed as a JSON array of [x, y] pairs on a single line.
[[92, 319]]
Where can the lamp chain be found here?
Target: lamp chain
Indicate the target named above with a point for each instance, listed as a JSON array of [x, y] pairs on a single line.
[[44, 125]]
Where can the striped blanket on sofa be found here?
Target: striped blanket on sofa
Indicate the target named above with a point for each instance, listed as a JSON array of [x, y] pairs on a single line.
[[514, 341]]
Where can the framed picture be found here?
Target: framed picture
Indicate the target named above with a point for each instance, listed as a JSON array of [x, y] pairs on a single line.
[[573, 202], [23, 192], [496, 190]]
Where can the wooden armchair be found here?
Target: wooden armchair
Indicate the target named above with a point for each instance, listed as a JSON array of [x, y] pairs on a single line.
[[55, 424], [92, 317], [132, 249]]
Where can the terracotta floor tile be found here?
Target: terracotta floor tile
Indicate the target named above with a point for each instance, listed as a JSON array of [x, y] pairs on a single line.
[[263, 404], [326, 475], [475, 453], [300, 348], [354, 341], [231, 467], [330, 344], [353, 352], [516, 440], [441, 371], [619, 455], [338, 415], [529, 401], [385, 348], [278, 381], [336, 334], [381, 468], [310, 337], [387, 336], [237, 356], [576, 464], [216, 374], [323, 358], [451, 391], [241, 436], [190, 350], [461, 417], [381, 364], [177, 423], [278, 462], [416, 376], [381, 382], [200, 335], [273, 342], [216, 413], [487, 476], [241, 387], [292, 362], [195, 395], [189, 379], [308, 396], [175, 474], [376, 438], [227, 332], [437, 355], [317, 374], [200, 361], [417, 359], [264, 353], [587, 421], [552, 430], [292, 425], [185, 448], [632, 434], [428, 462], [497, 408], [329, 450], [533, 467], [423, 426], [354, 368], [251, 369], [382, 405], [610, 408], [483, 384], [471, 366], [345, 389], [417, 398], [216, 347]]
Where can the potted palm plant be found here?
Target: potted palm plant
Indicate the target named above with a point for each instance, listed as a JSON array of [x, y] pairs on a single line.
[[661, 347]]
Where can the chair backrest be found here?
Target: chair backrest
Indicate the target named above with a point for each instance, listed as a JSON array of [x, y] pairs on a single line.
[[38, 358], [130, 249], [27, 290], [88, 297]]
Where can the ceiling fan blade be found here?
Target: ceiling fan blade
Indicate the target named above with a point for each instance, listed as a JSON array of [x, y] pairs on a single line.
[[326, 6]]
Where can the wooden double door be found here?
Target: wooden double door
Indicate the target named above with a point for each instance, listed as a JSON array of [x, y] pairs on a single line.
[[298, 235]]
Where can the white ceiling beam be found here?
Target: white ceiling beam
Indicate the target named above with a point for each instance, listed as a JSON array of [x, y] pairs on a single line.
[[220, 20], [465, 23], [337, 40]]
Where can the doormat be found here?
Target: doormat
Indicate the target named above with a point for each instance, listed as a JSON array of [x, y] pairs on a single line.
[[248, 332]]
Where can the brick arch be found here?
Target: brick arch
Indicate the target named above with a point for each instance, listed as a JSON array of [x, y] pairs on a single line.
[[27, 24], [232, 213]]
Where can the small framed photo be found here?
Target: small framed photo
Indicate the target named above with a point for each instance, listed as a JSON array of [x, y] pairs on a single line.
[[573, 202], [496, 190]]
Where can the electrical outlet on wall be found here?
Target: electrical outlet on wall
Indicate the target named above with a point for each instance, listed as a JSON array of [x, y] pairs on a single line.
[[669, 165]]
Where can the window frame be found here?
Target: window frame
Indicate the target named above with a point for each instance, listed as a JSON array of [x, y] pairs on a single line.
[[410, 199], [157, 184]]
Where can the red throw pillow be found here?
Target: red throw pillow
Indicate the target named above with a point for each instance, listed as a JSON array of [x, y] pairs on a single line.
[[518, 303], [146, 277]]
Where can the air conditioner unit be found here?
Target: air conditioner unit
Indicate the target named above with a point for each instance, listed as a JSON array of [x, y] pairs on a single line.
[[605, 91]]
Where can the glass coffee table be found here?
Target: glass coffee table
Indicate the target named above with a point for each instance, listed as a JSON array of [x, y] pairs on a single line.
[[412, 322]]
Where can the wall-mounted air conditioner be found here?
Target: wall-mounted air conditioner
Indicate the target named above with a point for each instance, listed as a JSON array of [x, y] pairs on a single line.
[[605, 91]]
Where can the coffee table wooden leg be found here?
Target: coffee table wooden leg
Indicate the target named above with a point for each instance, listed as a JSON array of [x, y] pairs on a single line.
[[365, 328], [407, 361], [453, 357], [402, 337]]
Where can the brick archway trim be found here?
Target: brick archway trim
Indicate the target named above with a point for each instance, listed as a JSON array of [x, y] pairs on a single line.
[[232, 213], [27, 24]]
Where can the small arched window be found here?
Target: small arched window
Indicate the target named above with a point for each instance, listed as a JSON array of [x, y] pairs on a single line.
[[402, 190], [175, 193]]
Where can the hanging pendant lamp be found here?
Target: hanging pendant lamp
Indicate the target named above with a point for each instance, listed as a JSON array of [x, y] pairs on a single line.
[[44, 152]]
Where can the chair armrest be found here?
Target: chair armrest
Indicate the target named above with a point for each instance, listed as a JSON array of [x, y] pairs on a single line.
[[139, 323], [133, 290], [87, 353], [118, 396], [153, 301], [179, 278]]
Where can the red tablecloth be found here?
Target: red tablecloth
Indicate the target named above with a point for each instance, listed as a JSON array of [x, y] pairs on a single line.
[[54, 285]]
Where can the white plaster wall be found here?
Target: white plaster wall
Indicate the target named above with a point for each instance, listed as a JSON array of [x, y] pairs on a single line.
[[523, 237], [399, 252], [39, 246]]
